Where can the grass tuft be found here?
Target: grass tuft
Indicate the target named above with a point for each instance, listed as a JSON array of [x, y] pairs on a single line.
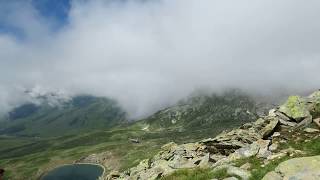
[[190, 174]]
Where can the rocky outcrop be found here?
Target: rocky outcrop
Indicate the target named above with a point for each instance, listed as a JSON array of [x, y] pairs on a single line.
[[311, 130], [306, 168], [272, 176], [172, 157], [314, 103], [295, 108], [258, 139], [317, 122]]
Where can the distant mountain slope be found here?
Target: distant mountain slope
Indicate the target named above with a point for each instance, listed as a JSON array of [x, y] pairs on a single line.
[[78, 114], [214, 112], [208, 113]]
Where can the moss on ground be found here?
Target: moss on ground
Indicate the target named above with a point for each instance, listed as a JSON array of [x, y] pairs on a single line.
[[310, 148], [258, 172]]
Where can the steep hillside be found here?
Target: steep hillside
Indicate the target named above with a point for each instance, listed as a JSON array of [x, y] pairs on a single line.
[[78, 114], [37, 155], [213, 112], [254, 151], [52, 115]]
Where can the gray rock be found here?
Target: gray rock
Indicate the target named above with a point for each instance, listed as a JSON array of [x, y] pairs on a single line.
[[245, 152], [231, 178], [287, 123], [276, 134], [272, 113], [311, 130], [273, 147], [314, 102], [295, 108], [282, 116], [216, 157], [246, 166], [153, 173], [259, 122], [263, 148], [272, 176], [269, 128], [235, 171], [204, 161], [317, 122], [305, 168], [305, 122], [277, 156]]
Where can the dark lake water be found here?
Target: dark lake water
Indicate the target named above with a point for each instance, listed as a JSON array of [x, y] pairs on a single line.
[[75, 172]]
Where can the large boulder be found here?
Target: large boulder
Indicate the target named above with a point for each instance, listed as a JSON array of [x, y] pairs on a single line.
[[260, 148], [317, 122], [268, 129], [182, 163], [245, 152], [263, 148], [295, 108], [272, 176], [305, 168], [228, 142], [235, 171], [311, 130], [314, 104]]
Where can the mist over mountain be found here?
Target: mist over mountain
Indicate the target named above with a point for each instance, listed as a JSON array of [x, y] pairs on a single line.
[[54, 114], [77, 114], [149, 54], [159, 89]]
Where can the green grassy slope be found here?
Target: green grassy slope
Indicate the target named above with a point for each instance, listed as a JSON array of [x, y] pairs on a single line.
[[215, 112], [87, 126], [28, 158], [81, 114]]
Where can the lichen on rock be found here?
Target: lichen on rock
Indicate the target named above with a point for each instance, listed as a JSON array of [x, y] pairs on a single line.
[[305, 168], [260, 140], [295, 108]]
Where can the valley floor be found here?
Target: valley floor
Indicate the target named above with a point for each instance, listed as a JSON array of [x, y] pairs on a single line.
[[30, 157]]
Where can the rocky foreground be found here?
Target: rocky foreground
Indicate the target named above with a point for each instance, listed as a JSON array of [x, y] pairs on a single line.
[[260, 139]]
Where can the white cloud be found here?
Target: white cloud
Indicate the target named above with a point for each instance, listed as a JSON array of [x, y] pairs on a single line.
[[147, 55]]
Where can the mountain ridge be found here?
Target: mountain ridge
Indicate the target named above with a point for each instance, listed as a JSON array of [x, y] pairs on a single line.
[[231, 154], [80, 113], [196, 112]]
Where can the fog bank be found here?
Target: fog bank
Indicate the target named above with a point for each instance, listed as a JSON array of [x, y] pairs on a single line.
[[150, 54]]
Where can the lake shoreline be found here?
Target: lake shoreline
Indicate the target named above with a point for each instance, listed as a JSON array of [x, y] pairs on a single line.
[[78, 163]]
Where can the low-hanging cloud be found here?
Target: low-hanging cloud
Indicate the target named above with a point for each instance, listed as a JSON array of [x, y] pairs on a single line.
[[148, 54]]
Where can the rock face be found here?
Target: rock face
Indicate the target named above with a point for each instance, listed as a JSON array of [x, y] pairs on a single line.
[[306, 168], [235, 171], [272, 176], [269, 128], [172, 157], [317, 122], [258, 139], [311, 130], [314, 103], [295, 108]]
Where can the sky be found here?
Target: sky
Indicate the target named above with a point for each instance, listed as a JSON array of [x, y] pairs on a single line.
[[148, 54]]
